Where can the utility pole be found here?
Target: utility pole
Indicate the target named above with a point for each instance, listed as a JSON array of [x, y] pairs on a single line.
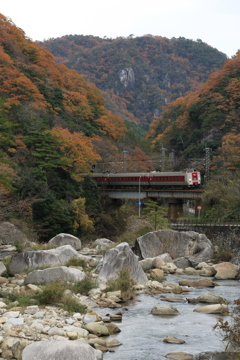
[[124, 159], [163, 158], [207, 163]]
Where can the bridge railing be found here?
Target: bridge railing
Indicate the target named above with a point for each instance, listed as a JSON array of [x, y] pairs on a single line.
[[205, 222]]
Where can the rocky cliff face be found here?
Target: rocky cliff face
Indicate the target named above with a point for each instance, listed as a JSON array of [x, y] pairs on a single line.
[[127, 77], [145, 72]]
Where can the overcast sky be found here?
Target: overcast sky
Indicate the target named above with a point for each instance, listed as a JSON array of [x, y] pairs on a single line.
[[215, 22]]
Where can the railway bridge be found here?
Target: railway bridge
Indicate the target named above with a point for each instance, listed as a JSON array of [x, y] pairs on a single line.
[[175, 198]]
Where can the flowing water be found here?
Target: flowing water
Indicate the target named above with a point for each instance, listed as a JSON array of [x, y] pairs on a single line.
[[142, 334]]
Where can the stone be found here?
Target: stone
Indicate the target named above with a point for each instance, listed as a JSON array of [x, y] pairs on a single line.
[[174, 288], [179, 356], [120, 257], [157, 274], [97, 329], [18, 347], [182, 262], [225, 271], [46, 276], [210, 297], [87, 318], [197, 247], [100, 347], [60, 350], [3, 269], [214, 355], [213, 309], [198, 283], [31, 260], [66, 239], [146, 264], [173, 340], [72, 335], [191, 271], [112, 328], [164, 310], [103, 244], [173, 299], [169, 268], [10, 234], [158, 262], [113, 343], [82, 333], [55, 331]]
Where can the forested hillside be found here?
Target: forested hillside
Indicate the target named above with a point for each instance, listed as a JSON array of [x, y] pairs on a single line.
[[53, 127], [208, 117], [208, 121], [138, 75]]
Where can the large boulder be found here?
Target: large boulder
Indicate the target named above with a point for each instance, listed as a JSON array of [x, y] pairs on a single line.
[[3, 269], [103, 244], [30, 260], [10, 234], [117, 258], [226, 270], [60, 350], [66, 239], [62, 273], [197, 247]]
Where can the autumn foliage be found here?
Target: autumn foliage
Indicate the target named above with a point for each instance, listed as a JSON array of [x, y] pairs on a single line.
[[49, 116], [164, 69], [208, 117]]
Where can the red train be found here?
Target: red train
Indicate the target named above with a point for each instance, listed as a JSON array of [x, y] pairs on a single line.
[[185, 179]]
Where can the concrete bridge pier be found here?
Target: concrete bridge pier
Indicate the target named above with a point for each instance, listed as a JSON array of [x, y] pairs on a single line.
[[175, 209]]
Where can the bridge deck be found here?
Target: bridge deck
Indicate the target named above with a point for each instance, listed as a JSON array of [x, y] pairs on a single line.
[[150, 193]]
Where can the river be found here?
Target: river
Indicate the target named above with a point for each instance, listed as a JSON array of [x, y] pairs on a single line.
[[142, 334]]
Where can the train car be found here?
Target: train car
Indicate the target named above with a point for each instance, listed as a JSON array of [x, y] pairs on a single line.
[[125, 180], [178, 179], [154, 180]]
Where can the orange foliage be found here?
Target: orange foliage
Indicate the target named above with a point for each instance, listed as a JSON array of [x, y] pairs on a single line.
[[231, 150], [139, 161], [77, 103], [160, 139], [77, 150], [112, 126]]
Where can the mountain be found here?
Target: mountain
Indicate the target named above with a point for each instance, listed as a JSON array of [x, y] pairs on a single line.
[[207, 119], [54, 127], [138, 75]]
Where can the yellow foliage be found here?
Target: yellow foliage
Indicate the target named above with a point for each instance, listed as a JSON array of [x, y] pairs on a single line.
[[81, 218]]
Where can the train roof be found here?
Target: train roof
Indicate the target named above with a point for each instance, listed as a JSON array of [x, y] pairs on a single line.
[[138, 174]]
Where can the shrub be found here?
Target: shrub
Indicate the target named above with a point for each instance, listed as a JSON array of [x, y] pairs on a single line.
[[19, 245], [222, 255], [72, 305], [51, 293], [77, 262], [84, 286], [231, 332], [123, 282]]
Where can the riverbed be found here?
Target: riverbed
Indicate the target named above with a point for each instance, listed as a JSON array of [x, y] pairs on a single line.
[[142, 334]]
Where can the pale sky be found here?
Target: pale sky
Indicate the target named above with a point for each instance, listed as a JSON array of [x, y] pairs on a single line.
[[215, 22]]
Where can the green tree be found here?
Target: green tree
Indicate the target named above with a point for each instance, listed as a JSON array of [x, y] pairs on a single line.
[[155, 214]]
